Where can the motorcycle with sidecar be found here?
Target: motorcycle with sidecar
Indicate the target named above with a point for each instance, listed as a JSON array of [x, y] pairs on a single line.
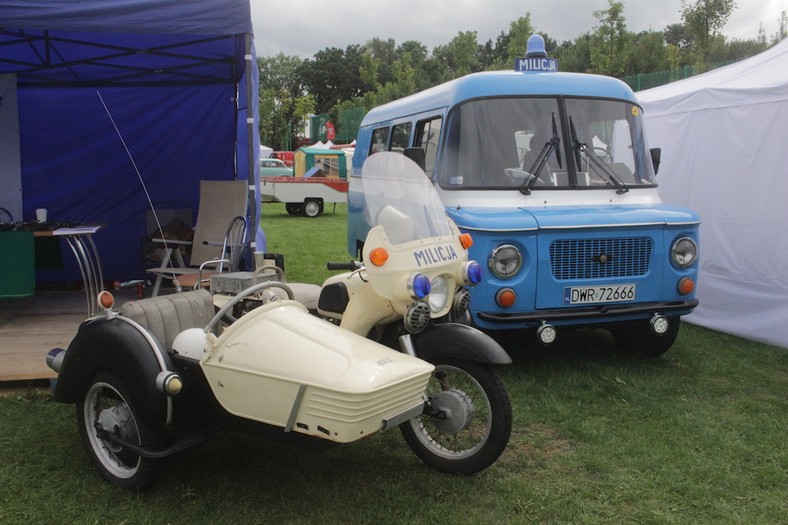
[[161, 375]]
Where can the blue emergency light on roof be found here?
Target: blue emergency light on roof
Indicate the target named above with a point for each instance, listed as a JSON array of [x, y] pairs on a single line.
[[536, 58], [534, 47]]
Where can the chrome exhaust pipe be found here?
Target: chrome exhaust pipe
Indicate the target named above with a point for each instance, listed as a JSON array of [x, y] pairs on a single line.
[[55, 359]]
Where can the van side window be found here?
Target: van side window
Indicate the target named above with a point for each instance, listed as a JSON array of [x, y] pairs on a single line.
[[427, 134], [380, 138], [400, 137]]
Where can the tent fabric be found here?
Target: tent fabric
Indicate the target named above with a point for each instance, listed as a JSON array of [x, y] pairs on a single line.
[[129, 16], [724, 155], [114, 94]]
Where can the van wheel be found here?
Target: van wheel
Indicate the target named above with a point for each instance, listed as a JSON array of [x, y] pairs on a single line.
[[638, 338]]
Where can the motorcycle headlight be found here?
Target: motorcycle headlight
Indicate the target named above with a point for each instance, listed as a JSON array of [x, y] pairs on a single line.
[[505, 261], [418, 285], [684, 252], [439, 294], [472, 273]]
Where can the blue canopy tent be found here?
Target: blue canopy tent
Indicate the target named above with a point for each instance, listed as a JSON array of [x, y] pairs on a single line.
[[109, 93]]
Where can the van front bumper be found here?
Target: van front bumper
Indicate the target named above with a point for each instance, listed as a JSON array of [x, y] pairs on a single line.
[[605, 312]]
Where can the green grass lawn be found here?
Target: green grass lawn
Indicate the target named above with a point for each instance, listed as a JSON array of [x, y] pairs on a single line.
[[696, 436]]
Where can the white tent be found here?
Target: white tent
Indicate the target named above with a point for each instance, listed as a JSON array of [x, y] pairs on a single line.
[[725, 155]]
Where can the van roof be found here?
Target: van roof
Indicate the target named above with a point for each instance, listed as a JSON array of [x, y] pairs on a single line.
[[501, 83]]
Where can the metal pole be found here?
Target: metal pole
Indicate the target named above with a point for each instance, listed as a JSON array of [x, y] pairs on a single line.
[[251, 99]]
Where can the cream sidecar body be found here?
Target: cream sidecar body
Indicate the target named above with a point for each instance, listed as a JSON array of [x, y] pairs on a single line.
[[282, 366]]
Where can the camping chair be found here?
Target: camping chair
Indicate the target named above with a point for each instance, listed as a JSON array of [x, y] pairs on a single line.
[[232, 251], [220, 203]]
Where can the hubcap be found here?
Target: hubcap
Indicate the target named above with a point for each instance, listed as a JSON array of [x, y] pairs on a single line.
[[457, 408], [105, 409], [115, 421], [312, 208]]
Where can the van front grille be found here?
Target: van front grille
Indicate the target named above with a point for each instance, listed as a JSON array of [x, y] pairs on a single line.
[[574, 259]]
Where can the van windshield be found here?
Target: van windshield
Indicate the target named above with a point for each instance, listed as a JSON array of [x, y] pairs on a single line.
[[538, 143]]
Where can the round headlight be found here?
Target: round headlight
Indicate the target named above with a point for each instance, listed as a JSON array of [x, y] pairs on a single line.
[[439, 294], [684, 252], [505, 261]]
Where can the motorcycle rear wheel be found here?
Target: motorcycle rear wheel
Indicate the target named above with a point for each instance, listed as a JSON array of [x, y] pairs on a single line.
[[478, 423], [108, 402]]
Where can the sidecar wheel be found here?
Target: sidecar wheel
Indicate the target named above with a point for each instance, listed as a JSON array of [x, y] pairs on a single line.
[[110, 404], [475, 422]]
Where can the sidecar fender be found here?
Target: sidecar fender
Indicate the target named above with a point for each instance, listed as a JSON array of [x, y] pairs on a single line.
[[124, 348], [459, 341]]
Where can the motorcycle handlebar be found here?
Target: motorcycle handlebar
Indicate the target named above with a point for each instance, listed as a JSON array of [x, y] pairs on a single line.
[[351, 265]]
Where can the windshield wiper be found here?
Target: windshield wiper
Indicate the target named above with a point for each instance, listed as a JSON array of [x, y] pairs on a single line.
[[594, 160], [541, 159]]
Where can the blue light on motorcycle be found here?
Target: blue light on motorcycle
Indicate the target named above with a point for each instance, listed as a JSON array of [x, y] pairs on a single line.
[[420, 285], [473, 273]]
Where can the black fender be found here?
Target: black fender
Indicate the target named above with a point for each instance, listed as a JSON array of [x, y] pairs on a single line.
[[120, 346], [459, 341]]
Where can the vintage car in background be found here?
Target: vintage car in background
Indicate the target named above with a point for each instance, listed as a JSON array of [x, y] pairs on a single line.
[[271, 167]]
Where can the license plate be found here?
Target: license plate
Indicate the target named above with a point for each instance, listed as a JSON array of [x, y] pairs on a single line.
[[599, 294]]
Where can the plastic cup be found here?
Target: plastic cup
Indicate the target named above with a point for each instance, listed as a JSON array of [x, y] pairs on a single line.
[[41, 214]]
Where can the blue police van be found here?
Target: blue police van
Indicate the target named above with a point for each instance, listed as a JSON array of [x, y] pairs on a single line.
[[551, 175]]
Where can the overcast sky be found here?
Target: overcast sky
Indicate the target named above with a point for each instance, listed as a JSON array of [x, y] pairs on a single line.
[[304, 27]]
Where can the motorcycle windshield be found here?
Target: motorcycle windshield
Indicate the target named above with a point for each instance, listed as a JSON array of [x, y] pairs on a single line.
[[401, 198]]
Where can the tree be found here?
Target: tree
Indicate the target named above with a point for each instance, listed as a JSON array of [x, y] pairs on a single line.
[[384, 52], [368, 72], [402, 84], [609, 40], [279, 86], [493, 56], [417, 57], [782, 31], [460, 54], [519, 32], [575, 56], [703, 20], [677, 35], [333, 76], [303, 107], [646, 53]]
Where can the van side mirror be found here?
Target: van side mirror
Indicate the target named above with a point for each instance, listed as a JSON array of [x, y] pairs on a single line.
[[656, 156]]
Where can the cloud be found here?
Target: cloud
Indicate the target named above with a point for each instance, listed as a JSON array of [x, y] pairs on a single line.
[[306, 27]]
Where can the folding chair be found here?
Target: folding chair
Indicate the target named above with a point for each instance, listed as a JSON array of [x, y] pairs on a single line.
[[232, 250], [220, 203]]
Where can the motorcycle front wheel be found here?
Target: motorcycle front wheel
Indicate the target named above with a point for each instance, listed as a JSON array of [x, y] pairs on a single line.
[[108, 405], [468, 425]]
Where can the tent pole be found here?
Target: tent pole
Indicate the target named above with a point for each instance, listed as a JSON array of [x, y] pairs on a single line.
[[251, 100]]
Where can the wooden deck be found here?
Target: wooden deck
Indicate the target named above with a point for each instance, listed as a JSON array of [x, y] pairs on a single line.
[[32, 326]]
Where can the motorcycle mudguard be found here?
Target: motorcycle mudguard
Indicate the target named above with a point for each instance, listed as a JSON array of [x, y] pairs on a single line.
[[459, 341], [119, 347]]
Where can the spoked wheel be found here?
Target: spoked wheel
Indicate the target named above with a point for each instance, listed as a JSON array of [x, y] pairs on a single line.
[[108, 406], [470, 420]]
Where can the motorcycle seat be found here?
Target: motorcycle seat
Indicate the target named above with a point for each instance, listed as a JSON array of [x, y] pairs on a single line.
[[165, 316]]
